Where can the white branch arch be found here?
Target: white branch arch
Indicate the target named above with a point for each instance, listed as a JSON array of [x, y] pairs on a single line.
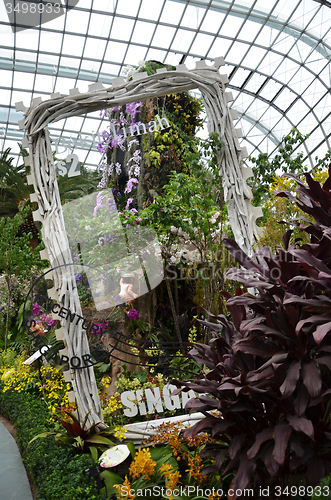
[[237, 195]]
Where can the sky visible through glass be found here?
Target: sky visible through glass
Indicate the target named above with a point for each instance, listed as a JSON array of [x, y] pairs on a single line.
[[277, 56]]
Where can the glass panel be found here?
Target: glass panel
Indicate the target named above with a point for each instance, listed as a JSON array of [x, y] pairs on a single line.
[[110, 69], [143, 32], [301, 80], [313, 93], [28, 39], [23, 80], [323, 108], [94, 48], [172, 12], [193, 17], [173, 59], [202, 44], [77, 21], [285, 99], [212, 21], [135, 54], [231, 26], [163, 35], [239, 77], [286, 70], [115, 51], [183, 40], [270, 90], [44, 83], [237, 52], [55, 24], [220, 48], [64, 84], [127, 7], [73, 45], [267, 36], [121, 29], [100, 25], [69, 63], [50, 42], [297, 112], [150, 9], [255, 82], [249, 31], [156, 55], [5, 78]]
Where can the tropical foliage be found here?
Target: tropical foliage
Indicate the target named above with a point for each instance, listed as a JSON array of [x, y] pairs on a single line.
[[269, 370]]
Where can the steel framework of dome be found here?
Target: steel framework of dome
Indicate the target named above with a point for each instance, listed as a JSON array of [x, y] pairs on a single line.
[[277, 56]]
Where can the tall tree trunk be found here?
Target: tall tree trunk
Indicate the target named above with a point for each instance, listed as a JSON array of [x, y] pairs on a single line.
[[173, 310], [176, 297]]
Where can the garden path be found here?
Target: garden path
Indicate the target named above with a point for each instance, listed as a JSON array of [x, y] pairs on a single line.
[[14, 483]]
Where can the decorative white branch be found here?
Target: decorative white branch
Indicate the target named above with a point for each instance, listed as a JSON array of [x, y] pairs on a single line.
[[236, 192]]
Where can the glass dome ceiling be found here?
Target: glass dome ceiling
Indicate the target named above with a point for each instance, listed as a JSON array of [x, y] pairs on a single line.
[[277, 55]]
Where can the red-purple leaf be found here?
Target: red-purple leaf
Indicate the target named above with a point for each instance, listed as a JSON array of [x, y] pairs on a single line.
[[321, 331], [282, 434], [292, 376], [301, 401], [209, 470], [236, 444], [221, 456], [302, 425], [316, 319], [269, 461], [315, 471], [254, 346], [204, 424], [324, 360], [311, 377], [221, 427], [261, 437], [240, 256], [244, 474]]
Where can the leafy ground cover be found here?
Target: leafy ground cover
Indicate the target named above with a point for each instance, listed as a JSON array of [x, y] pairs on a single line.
[[58, 472]]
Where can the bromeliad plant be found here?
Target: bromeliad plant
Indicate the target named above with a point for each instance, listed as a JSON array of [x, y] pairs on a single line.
[[86, 440], [270, 368]]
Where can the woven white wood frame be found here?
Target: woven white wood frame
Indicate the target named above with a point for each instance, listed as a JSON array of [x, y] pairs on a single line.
[[236, 192]]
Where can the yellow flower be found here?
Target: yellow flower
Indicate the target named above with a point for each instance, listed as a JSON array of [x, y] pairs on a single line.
[[195, 467], [124, 490], [165, 470], [142, 465], [120, 432], [172, 479]]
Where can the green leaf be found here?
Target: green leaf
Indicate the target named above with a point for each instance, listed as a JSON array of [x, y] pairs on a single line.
[[132, 449], [94, 453], [41, 435], [110, 479], [99, 440]]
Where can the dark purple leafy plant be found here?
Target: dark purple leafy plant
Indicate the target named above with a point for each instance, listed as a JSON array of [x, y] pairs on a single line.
[[270, 368]]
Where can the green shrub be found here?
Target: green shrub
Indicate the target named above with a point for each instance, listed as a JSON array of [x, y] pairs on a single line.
[[59, 473]]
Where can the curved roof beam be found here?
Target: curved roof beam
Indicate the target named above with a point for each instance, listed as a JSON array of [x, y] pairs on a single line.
[[275, 22], [260, 126]]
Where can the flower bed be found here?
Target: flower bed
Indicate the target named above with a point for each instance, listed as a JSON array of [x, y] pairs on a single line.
[[58, 472]]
